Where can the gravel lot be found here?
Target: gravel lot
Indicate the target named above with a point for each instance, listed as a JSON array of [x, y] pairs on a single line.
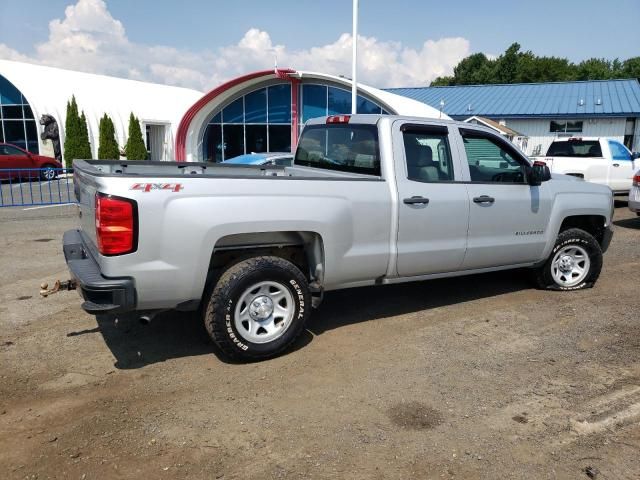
[[479, 377]]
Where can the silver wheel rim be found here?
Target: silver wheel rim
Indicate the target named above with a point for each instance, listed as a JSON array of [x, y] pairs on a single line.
[[264, 312], [49, 173], [570, 266]]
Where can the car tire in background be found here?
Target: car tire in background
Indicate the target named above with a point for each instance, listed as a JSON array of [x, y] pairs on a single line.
[[48, 172], [574, 263], [258, 308]]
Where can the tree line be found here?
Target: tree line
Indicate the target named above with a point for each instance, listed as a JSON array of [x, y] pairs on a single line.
[[514, 66], [78, 146]]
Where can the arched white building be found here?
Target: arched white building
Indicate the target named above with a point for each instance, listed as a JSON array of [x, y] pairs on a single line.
[[264, 111], [29, 91]]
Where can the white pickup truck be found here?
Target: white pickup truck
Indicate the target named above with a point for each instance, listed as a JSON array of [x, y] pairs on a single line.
[[369, 200], [594, 159]]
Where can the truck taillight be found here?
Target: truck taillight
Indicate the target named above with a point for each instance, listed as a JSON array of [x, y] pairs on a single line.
[[115, 224], [636, 180], [339, 119]]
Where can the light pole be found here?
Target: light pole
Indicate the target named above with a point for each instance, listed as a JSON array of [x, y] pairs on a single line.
[[354, 60]]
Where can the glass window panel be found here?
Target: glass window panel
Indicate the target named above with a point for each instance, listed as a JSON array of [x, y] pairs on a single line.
[[33, 146], [619, 151], [12, 112], [212, 144], [428, 157], [14, 132], [233, 113], [255, 106], [280, 104], [314, 101], [279, 138], [490, 162], [27, 111], [1, 134], [9, 94], [557, 126], [256, 138], [574, 127], [233, 141], [367, 106], [32, 130], [217, 118], [339, 101], [384, 112]]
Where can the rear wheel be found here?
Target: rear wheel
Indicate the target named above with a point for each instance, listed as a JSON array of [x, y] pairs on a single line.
[[575, 262], [48, 172], [258, 308]]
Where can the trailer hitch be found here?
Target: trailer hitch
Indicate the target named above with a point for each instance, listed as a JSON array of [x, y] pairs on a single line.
[[45, 291]]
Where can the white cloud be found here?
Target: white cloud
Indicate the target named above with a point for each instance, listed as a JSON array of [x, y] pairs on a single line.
[[88, 38]]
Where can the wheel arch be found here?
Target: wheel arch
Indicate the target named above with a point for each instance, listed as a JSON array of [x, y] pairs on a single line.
[[592, 224], [304, 249]]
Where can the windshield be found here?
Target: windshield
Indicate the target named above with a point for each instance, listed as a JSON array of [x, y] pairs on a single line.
[[344, 147], [575, 148]]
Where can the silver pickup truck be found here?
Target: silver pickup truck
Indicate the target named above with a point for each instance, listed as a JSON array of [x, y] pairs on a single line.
[[369, 200]]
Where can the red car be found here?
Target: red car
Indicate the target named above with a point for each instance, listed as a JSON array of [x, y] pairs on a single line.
[[13, 158]]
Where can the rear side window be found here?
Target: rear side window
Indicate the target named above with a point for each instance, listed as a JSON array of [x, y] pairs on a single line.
[[343, 147], [428, 156], [575, 148], [619, 151]]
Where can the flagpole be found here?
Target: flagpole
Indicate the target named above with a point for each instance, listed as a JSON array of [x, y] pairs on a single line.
[[354, 60]]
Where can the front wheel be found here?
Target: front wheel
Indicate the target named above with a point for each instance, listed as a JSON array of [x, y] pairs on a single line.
[[575, 262], [258, 308], [48, 172]]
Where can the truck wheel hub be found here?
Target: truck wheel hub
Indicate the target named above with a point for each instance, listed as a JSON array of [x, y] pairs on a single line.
[[261, 308], [566, 263]]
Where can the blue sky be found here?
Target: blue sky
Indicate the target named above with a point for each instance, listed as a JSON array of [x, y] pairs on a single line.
[[398, 29]]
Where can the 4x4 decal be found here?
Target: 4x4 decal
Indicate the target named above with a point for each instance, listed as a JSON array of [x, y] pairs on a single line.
[[147, 187]]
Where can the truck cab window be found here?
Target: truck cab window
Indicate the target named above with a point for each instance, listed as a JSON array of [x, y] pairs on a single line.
[[490, 162], [619, 151], [428, 156]]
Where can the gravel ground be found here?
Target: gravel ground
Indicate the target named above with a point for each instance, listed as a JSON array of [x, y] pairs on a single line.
[[478, 377]]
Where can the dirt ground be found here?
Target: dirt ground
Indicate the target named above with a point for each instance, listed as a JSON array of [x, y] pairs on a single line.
[[479, 377]]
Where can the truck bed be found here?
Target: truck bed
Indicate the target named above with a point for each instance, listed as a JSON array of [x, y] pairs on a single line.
[[148, 169]]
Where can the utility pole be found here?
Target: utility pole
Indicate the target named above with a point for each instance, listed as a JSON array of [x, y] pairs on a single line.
[[354, 60]]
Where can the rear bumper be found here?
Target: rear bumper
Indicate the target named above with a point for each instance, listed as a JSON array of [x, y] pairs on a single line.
[[101, 294]]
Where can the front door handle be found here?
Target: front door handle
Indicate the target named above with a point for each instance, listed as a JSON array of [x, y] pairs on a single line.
[[484, 199], [416, 201], [616, 164]]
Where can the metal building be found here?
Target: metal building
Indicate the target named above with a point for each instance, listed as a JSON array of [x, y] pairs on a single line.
[[544, 111]]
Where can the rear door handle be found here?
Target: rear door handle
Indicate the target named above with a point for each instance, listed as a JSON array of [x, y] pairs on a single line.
[[416, 201], [484, 199], [616, 164]]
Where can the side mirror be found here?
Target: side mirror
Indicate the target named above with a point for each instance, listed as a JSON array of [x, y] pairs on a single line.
[[635, 155], [539, 173]]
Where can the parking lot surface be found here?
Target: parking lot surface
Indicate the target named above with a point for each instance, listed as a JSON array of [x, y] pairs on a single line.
[[475, 377]]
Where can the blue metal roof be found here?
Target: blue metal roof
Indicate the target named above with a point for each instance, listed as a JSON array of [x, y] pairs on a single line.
[[559, 99]]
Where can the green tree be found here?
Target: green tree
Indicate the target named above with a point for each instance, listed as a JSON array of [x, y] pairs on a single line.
[[135, 148], [108, 147], [473, 70], [630, 68], [506, 67], [85, 145], [72, 133], [594, 69]]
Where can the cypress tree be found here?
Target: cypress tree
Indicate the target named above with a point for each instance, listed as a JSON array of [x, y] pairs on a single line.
[[108, 147], [135, 148], [72, 133], [85, 145]]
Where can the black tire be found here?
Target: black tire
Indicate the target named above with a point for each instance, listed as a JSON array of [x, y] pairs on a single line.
[[48, 172], [219, 315], [543, 275]]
